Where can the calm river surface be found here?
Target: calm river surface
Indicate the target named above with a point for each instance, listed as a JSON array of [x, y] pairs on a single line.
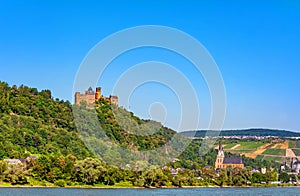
[[120, 192]]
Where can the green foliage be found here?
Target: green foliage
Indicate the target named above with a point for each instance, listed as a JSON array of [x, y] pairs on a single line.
[[284, 177], [31, 122], [60, 183], [89, 170], [258, 177], [292, 144], [273, 159], [125, 129], [3, 168], [260, 162], [275, 151], [272, 176], [250, 144]]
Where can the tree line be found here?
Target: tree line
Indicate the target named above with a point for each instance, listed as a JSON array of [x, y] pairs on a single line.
[[68, 171]]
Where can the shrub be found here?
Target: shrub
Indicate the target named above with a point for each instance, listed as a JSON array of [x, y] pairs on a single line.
[[60, 183]]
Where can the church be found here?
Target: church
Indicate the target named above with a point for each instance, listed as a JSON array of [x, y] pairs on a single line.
[[224, 162]]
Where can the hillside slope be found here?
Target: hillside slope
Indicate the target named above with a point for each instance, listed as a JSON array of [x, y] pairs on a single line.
[[32, 122]]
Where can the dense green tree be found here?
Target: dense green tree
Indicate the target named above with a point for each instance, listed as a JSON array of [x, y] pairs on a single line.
[[258, 177], [89, 170], [272, 176], [222, 178], [284, 177], [3, 168]]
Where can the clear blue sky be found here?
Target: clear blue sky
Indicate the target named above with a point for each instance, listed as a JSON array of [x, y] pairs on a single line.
[[256, 45]]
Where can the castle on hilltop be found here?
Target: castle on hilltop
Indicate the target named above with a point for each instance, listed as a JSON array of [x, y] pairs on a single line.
[[90, 97], [224, 162]]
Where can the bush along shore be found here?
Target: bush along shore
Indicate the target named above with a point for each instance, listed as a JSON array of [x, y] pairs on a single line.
[[67, 171]]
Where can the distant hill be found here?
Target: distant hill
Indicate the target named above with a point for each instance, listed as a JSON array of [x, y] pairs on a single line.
[[243, 132]]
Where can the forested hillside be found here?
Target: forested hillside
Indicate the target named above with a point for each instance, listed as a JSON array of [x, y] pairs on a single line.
[[31, 122]]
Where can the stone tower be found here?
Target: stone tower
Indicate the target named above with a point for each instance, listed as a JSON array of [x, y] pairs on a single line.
[[220, 157], [114, 100], [98, 93]]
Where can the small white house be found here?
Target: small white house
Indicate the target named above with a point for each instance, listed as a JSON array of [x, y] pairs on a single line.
[[12, 161]]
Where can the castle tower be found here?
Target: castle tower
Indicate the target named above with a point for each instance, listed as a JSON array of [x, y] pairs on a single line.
[[98, 93], [114, 100], [88, 97], [220, 157], [77, 98]]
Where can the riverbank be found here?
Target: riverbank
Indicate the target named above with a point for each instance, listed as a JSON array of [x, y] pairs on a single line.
[[51, 185], [150, 192], [129, 186]]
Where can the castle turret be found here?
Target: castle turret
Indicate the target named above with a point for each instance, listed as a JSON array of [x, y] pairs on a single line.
[[98, 93]]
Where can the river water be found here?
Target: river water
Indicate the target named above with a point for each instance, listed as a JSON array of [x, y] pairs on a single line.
[[129, 192]]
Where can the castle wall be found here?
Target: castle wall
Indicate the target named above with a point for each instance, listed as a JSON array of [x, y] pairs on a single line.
[[89, 99]]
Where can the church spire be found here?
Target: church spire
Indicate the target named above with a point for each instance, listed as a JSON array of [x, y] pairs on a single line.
[[220, 146]]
